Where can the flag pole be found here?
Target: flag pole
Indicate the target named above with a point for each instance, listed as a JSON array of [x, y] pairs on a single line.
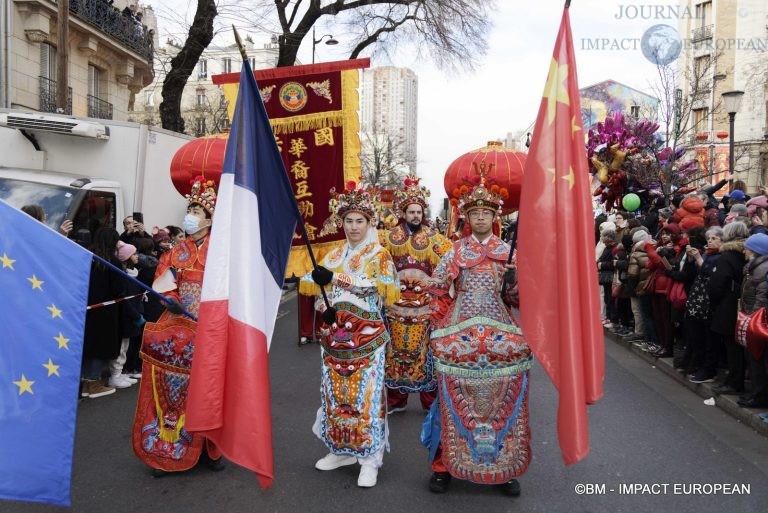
[[567, 3], [302, 227], [130, 278]]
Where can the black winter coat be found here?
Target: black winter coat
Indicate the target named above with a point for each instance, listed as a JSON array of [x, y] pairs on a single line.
[[725, 287], [102, 325]]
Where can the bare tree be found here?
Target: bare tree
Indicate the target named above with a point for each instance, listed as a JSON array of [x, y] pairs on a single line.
[[383, 159], [183, 63]]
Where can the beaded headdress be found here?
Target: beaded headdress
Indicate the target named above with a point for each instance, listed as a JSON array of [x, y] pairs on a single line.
[[411, 193], [203, 193], [360, 198], [482, 195]]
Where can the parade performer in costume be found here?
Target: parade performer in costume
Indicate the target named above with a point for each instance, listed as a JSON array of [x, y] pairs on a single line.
[[159, 437], [416, 249], [477, 429], [351, 420]]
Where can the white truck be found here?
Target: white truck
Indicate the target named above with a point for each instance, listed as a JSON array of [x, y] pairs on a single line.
[[93, 172]]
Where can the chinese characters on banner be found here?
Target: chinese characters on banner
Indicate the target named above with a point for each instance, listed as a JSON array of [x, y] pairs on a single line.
[[313, 113]]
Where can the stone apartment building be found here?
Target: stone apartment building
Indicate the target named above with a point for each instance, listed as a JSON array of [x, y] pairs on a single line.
[[726, 44], [111, 47], [203, 106]]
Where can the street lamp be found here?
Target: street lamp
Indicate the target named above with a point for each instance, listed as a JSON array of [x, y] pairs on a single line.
[[331, 41], [732, 101]]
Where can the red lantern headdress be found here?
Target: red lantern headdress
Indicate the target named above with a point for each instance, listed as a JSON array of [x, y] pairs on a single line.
[[361, 199], [203, 193], [411, 193], [481, 195]]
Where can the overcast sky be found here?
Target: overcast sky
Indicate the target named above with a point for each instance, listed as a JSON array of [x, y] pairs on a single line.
[[461, 112]]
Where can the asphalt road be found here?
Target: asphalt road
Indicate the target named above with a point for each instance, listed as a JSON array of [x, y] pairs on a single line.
[[647, 430]]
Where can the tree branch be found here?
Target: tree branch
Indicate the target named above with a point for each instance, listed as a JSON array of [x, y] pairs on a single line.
[[375, 36]]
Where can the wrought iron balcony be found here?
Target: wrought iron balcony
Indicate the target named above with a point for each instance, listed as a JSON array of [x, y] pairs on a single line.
[[48, 96], [125, 29], [701, 33], [98, 108]]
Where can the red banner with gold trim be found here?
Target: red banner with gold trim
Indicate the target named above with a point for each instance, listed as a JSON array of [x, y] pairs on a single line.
[[313, 111], [721, 167]]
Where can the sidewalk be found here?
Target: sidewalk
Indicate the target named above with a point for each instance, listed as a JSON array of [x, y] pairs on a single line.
[[748, 416]]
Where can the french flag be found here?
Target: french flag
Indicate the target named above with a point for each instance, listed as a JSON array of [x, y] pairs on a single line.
[[251, 236]]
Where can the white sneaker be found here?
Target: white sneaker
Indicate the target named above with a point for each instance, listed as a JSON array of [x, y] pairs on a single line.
[[332, 461], [367, 477], [121, 381], [134, 375]]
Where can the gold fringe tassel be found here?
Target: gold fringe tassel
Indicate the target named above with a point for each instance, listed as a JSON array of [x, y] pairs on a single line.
[[423, 255], [306, 122], [308, 288], [389, 292], [350, 80], [299, 262]]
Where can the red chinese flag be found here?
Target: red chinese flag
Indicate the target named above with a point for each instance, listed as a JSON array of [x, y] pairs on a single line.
[[559, 302]]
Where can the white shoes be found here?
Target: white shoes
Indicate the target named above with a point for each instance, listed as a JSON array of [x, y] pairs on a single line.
[[367, 477], [332, 461], [121, 381]]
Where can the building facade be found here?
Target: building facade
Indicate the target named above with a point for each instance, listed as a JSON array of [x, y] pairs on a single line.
[[203, 106], [110, 55], [726, 49], [388, 118]]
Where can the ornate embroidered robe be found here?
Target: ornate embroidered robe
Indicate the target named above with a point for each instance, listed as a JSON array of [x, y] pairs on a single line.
[[352, 416], [482, 364]]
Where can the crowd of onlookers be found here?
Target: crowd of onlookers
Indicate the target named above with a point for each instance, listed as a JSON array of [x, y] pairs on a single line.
[[676, 277], [118, 306]]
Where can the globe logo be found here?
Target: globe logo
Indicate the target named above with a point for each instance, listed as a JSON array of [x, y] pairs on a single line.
[[661, 44]]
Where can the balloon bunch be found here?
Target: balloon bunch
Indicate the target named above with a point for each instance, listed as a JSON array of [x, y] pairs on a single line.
[[628, 156]]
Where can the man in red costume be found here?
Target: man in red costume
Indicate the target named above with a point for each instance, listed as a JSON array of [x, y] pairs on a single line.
[[416, 249], [159, 437], [477, 429]]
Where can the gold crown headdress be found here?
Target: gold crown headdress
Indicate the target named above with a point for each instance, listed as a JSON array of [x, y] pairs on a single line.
[[482, 195], [203, 193], [411, 193], [362, 198]]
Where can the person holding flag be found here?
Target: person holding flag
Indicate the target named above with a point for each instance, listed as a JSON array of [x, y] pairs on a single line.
[[416, 249], [351, 420], [160, 437], [477, 429]]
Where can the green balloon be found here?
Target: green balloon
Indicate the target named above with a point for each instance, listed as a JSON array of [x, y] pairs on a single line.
[[631, 202]]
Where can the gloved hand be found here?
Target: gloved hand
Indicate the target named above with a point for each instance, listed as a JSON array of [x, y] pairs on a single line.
[[141, 321], [329, 316], [322, 276], [510, 277], [173, 306]]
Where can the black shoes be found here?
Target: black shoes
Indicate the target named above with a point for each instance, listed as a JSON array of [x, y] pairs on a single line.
[[726, 390], [214, 465], [439, 482], [511, 488], [752, 403]]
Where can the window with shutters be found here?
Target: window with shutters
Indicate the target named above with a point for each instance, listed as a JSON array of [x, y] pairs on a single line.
[[227, 65], [48, 61]]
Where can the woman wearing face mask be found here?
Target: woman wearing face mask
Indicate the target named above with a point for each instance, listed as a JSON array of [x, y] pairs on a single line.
[[159, 437]]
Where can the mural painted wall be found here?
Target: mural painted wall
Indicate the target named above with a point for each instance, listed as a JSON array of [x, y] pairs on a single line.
[[603, 98]]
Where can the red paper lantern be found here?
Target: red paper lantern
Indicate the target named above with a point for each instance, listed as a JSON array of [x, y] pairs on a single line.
[[702, 136], [203, 156], [722, 134], [506, 172]]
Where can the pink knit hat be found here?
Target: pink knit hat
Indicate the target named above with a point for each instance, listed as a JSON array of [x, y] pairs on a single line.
[[125, 251]]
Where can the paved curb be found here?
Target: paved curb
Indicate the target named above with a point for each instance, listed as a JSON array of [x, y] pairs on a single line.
[[747, 416]]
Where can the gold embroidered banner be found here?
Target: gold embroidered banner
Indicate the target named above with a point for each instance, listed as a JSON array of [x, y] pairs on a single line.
[[313, 113]]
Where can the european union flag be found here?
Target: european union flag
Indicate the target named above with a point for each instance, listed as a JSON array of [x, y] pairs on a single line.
[[44, 278]]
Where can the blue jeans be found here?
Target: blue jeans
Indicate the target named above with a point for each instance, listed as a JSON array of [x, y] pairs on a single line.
[[92, 368]]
